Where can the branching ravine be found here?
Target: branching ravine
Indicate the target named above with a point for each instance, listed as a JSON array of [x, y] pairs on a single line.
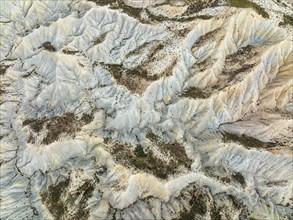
[[145, 110]]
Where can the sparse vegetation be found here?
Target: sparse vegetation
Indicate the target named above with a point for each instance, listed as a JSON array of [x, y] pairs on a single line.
[[104, 2], [152, 137], [287, 20], [197, 6], [130, 78], [70, 52], [156, 17], [244, 52], [197, 206], [145, 162], [133, 12], [245, 140], [248, 4], [52, 199], [139, 151], [190, 18], [157, 48], [35, 125], [235, 202], [2, 90], [216, 213], [203, 206], [87, 118], [57, 125], [2, 69], [137, 50], [148, 162], [141, 73], [240, 62], [233, 73], [177, 152], [173, 149], [59, 200], [194, 93], [204, 38], [100, 38]]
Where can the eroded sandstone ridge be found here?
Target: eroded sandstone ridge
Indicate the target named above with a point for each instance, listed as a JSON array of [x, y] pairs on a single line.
[[146, 109]]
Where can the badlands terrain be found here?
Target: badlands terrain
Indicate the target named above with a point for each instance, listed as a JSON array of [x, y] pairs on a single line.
[[146, 109]]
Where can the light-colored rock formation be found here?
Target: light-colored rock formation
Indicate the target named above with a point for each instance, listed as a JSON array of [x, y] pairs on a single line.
[[109, 116]]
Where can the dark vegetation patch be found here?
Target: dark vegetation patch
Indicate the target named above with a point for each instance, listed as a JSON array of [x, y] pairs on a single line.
[[35, 125], [59, 201], [118, 72], [157, 48], [100, 39], [132, 79], [138, 78], [240, 62], [28, 74], [248, 4], [197, 6], [158, 17], [169, 71], [235, 202], [239, 178], [287, 20], [2, 90], [174, 149], [216, 213], [69, 52], [203, 206], [52, 198], [200, 203], [148, 162], [182, 18], [137, 50], [183, 32], [232, 73], [132, 12], [104, 2], [247, 52], [195, 93], [221, 174], [57, 125], [154, 50], [197, 201], [154, 138], [207, 37], [3, 69], [177, 152], [191, 18], [217, 172], [249, 142], [136, 12], [224, 206], [141, 73], [277, 183], [225, 179], [48, 46], [197, 207]]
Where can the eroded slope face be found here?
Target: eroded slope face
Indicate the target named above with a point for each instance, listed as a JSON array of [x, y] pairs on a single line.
[[146, 109]]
